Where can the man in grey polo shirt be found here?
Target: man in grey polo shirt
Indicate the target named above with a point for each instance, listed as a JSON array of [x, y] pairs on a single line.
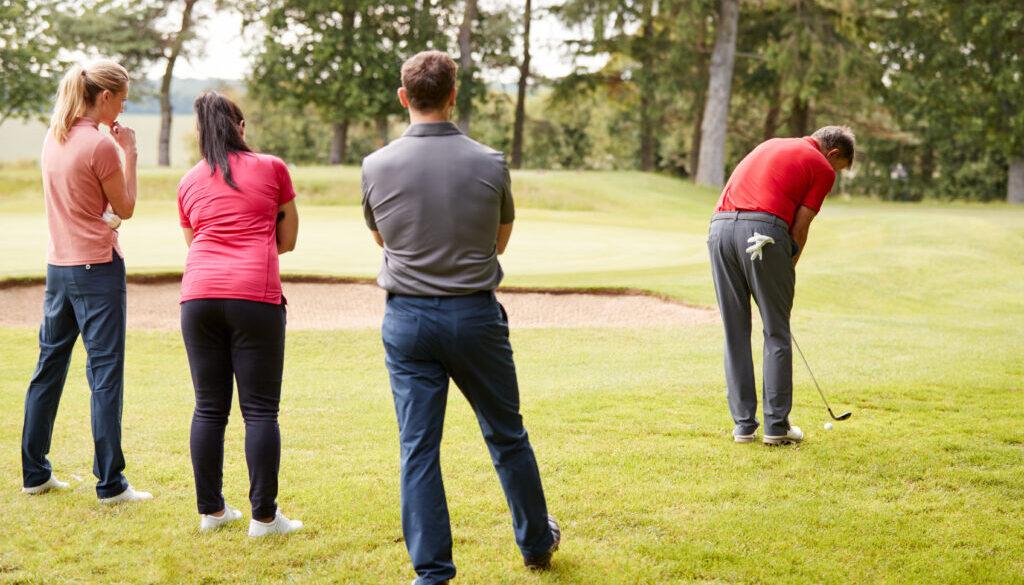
[[440, 205]]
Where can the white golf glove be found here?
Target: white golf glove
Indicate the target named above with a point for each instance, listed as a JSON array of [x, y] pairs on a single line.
[[112, 219], [758, 241]]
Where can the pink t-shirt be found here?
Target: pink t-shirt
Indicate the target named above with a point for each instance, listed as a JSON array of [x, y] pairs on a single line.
[[73, 176], [777, 177], [234, 252]]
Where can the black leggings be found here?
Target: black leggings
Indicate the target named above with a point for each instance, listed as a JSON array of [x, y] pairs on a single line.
[[244, 340]]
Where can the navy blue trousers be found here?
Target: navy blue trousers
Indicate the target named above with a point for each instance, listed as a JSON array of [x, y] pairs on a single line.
[[229, 340], [90, 300], [429, 341]]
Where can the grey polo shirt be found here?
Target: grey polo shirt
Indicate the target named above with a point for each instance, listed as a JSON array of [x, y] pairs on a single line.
[[437, 198]]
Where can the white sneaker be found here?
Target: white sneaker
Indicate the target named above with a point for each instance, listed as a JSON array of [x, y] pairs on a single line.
[[128, 495], [211, 522], [742, 438], [794, 435], [51, 484], [279, 525]]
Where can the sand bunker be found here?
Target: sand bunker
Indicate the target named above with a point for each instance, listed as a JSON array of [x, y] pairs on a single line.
[[327, 304]]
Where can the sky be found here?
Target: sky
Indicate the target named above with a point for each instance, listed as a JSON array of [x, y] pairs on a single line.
[[226, 54]]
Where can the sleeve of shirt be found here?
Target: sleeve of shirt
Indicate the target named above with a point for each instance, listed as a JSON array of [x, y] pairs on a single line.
[[821, 184], [105, 159], [367, 209], [508, 208], [183, 219], [286, 191]]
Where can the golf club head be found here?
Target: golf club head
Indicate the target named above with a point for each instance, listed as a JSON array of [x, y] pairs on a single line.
[[843, 416]]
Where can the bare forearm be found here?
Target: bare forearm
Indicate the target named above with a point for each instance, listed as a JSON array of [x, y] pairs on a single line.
[[800, 239], [801, 226], [504, 233], [131, 183], [287, 227]]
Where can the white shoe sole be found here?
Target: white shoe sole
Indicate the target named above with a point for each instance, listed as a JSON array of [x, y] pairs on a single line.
[[209, 523], [744, 438], [781, 440], [50, 485], [128, 495]]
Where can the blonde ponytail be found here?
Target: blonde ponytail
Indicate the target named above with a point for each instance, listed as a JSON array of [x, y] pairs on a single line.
[[78, 90]]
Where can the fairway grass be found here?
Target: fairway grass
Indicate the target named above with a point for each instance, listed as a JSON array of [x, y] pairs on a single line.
[[910, 316], [921, 485]]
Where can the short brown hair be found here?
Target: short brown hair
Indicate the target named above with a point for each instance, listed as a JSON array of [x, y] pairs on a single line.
[[429, 78]]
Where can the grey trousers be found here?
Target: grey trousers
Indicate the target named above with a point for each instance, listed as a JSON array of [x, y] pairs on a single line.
[[770, 281]]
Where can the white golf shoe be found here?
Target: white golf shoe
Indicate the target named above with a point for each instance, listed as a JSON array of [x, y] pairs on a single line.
[[741, 437], [794, 435], [211, 522], [51, 484], [128, 495], [279, 525]]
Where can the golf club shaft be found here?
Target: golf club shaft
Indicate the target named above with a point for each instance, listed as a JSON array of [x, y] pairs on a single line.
[[801, 352]]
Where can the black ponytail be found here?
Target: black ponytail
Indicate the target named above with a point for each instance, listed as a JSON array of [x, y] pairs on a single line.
[[218, 120]]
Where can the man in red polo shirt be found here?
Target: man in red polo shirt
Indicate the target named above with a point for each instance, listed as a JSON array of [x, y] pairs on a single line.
[[757, 233]]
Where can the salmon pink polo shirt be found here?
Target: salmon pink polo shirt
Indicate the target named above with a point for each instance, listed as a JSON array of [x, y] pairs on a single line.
[[234, 252], [73, 176], [778, 176]]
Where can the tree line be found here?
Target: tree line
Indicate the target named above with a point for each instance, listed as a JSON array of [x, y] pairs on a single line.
[[933, 88]]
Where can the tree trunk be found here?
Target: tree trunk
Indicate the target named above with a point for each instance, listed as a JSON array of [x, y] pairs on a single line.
[[800, 117], [927, 165], [771, 120], [1015, 185], [698, 100], [164, 149], [382, 131], [647, 145], [339, 142], [698, 119], [466, 71], [524, 75], [711, 169]]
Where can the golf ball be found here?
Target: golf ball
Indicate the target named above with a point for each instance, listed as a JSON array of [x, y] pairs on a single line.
[[828, 426]]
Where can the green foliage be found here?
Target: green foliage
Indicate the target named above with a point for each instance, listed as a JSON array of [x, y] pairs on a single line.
[[953, 72], [585, 132], [654, 77], [125, 31], [493, 41], [29, 66], [296, 135], [804, 65], [933, 85], [341, 57]]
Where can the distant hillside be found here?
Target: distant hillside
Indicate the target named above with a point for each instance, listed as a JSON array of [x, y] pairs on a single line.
[[145, 98]]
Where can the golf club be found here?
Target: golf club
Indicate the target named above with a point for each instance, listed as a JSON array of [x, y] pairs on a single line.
[[843, 416]]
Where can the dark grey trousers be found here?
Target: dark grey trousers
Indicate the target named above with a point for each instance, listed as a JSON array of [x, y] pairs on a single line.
[[770, 281]]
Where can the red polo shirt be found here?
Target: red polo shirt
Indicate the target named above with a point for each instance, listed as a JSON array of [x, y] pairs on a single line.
[[778, 176], [234, 253]]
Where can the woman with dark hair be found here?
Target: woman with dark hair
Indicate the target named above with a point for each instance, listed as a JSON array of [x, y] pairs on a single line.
[[237, 209], [86, 188]]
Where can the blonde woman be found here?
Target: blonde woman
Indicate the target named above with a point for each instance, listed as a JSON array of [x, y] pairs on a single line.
[[84, 181]]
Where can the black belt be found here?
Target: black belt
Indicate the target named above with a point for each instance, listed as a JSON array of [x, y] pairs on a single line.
[[751, 215], [479, 293]]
